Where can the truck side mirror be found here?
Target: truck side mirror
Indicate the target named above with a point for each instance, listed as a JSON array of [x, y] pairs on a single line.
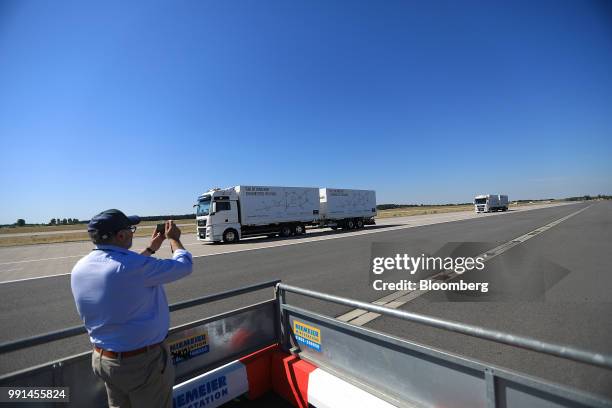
[[213, 209]]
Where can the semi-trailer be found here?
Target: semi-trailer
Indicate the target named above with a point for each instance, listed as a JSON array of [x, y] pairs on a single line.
[[490, 202], [348, 209], [229, 214]]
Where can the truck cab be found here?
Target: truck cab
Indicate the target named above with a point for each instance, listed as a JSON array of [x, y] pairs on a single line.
[[217, 216], [481, 203]]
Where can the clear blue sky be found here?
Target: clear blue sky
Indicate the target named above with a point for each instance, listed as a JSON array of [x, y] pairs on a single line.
[[144, 106]]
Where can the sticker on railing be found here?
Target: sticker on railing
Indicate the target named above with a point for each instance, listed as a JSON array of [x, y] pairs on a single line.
[[307, 335], [188, 344]]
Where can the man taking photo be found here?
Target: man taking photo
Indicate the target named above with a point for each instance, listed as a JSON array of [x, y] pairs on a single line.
[[120, 297]]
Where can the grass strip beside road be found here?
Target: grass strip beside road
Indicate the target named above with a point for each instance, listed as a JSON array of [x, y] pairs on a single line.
[[439, 209], [7, 240], [73, 227], [423, 210], [13, 229]]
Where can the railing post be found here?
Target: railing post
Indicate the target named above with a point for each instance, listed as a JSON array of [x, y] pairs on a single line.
[[281, 300], [491, 391]]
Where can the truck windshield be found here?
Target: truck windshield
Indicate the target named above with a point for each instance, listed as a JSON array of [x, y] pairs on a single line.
[[203, 206], [480, 201]]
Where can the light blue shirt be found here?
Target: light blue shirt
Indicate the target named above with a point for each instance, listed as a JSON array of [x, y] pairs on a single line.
[[120, 297]]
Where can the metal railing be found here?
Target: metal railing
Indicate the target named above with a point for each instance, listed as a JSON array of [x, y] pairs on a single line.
[[558, 350], [406, 373], [78, 330], [394, 369]]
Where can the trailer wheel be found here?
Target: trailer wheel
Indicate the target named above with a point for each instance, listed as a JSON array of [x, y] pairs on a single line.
[[350, 224], [299, 229], [230, 236], [285, 231], [359, 223]]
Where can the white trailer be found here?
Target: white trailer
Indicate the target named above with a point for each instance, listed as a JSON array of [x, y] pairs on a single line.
[[232, 213], [262, 205], [346, 208], [490, 202]]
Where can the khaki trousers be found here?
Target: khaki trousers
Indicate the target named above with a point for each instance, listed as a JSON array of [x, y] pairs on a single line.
[[144, 380]]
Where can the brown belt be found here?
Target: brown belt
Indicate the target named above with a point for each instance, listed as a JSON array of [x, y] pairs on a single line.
[[123, 354]]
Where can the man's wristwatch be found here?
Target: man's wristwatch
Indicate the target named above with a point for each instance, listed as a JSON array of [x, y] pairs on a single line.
[[150, 250]]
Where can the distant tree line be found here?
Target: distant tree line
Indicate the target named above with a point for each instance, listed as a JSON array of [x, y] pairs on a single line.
[[588, 197], [578, 198], [54, 221], [533, 200], [169, 217], [394, 206], [65, 221], [73, 221], [69, 221]]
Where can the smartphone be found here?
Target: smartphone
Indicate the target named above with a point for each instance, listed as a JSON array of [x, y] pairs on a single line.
[[161, 228]]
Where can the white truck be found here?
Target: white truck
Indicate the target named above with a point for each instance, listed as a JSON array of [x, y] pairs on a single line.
[[227, 215], [490, 202]]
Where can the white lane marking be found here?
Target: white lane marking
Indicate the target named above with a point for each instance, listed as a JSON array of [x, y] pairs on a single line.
[[11, 270], [34, 278], [41, 260], [283, 243], [360, 317]]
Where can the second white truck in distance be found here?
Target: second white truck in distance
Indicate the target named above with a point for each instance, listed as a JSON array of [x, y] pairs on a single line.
[[227, 215], [490, 202]]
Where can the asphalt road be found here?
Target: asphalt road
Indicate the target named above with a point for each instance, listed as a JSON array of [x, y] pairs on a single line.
[[574, 309], [35, 261]]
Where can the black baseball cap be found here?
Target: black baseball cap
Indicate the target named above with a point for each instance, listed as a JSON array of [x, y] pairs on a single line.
[[111, 221]]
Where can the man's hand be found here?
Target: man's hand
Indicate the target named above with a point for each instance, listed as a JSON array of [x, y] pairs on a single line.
[[172, 231], [157, 239]]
